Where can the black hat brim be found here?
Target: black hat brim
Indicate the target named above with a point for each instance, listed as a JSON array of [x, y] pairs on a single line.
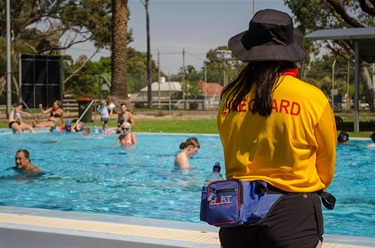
[[293, 52]]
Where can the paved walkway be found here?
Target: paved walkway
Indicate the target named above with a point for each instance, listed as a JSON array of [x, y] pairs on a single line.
[[78, 223]]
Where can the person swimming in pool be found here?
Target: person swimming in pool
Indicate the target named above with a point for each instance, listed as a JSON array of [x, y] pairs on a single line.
[[343, 138], [127, 137], [24, 165], [78, 127], [68, 126], [372, 145], [86, 131], [56, 113]]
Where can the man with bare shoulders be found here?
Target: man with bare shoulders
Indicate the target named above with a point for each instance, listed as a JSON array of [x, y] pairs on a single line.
[[124, 117], [23, 163]]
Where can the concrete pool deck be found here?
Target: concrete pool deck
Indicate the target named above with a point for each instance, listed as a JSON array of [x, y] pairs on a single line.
[[29, 227]]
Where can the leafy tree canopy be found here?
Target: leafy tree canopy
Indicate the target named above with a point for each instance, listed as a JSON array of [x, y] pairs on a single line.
[[52, 27], [312, 15]]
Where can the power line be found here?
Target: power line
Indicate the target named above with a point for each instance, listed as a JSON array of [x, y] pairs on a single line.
[[193, 55]]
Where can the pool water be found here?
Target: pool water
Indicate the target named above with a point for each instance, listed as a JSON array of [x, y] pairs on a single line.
[[92, 175]]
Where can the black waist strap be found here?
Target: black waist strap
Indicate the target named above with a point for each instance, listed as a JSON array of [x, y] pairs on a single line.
[[328, 200], [273, 190]]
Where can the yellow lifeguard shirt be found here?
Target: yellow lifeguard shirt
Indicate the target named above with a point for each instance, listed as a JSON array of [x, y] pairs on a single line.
[[294, 148]]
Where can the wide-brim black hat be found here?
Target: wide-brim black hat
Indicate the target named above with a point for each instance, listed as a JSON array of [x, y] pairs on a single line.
[[271, 36]]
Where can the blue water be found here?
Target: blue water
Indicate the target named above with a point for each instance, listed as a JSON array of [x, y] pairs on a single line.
[[89, 174]]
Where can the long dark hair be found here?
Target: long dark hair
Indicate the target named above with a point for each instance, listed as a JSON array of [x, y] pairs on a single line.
[[265, 75]]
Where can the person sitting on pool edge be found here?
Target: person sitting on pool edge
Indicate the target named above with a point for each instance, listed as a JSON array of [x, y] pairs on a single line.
[[24, 165], [188, 149], [15, 120], [127, 137], [56, 113], [343, 138]]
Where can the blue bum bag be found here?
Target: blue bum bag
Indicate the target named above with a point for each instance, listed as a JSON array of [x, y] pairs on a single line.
[[233, 202]]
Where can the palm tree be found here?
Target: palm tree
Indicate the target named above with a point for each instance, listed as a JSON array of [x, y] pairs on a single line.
[[119, 86]]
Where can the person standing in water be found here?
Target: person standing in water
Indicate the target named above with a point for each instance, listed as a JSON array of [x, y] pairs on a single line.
[[127, 137], [188, 149]]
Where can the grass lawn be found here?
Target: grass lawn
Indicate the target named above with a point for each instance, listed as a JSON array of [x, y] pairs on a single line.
[[202, 126]]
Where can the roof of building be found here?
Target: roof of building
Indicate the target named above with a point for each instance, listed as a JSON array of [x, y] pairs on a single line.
[[164, 86], [364, 36], [212, 89]]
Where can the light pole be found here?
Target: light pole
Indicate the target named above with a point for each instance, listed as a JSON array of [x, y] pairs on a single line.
[[348, 100], [253, 7], [149, 72], [169, 92], [224, 54], [333, 84], [183, 78], [9, 68], [205, 84]]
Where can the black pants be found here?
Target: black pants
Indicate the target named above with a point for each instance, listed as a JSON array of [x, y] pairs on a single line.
[[296, 221]]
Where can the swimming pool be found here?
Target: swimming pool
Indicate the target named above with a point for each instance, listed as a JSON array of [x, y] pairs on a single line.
[[88, 174]]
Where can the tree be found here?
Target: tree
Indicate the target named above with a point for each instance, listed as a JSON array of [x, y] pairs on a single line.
[[320, 75], [119, 86], [192, 77], [52, 27], [221, 65], [85, 83], [137, 70], [90, 85], [312, 15]]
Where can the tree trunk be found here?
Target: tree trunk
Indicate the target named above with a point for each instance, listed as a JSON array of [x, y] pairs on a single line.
[[368, 85], [119, 85]]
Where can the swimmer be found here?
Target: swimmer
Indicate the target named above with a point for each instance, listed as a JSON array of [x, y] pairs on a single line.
[[188, 149], [127, 137], [78, 127], [68, 126], [343, 138], [24, 165], [86, 131], [372, 137]]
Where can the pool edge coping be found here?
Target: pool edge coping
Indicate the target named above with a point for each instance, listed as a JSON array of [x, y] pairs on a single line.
[[147, 222]]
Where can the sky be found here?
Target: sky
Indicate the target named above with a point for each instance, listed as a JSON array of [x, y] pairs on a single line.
[[195, 26]]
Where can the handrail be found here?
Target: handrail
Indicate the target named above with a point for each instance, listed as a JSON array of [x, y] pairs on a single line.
[[84, 112], [28, 109]]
